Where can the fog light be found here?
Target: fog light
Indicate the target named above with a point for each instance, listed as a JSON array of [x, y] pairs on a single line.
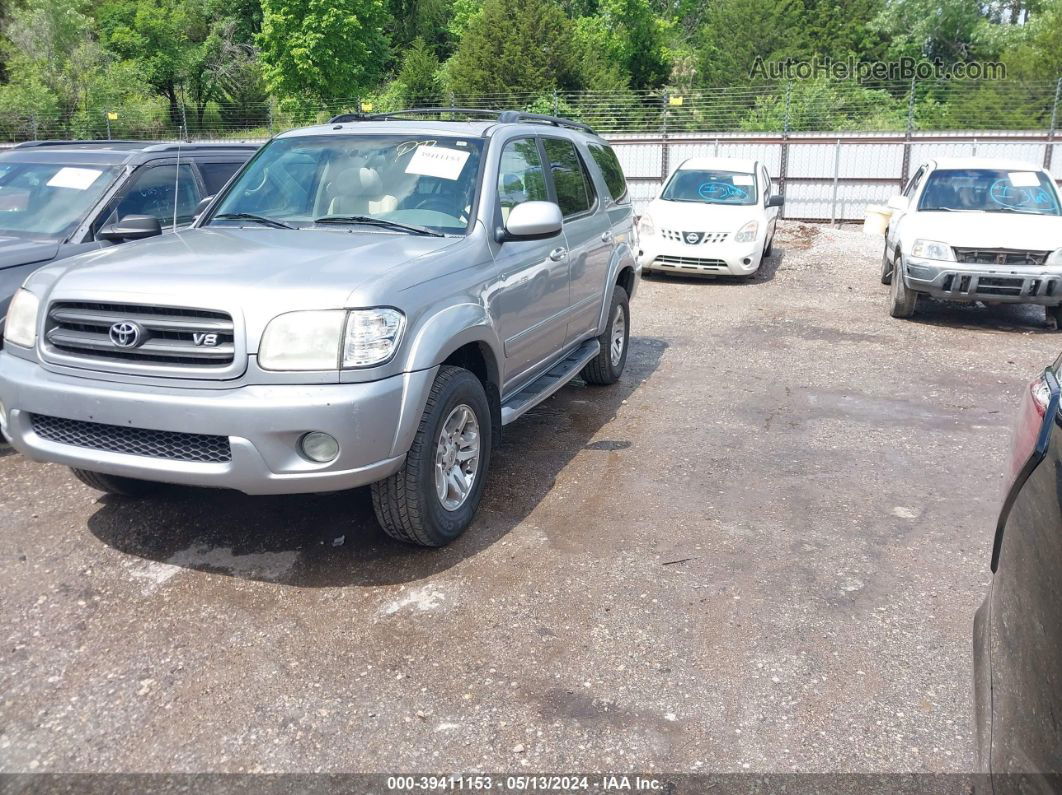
[[318, 446]]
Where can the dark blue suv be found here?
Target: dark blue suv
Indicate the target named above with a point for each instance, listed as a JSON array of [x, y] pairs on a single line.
[[60, 198]]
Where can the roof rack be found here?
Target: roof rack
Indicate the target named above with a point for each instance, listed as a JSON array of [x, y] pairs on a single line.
[[82, 144], [502, 116]]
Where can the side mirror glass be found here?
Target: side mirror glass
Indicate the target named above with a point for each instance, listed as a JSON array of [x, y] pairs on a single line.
[[899, 203], [131, 227], [777, 200], [203, 204], [533, 221]]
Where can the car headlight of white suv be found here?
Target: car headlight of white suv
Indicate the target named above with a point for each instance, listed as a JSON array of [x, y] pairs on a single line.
[[747, 233], [1055, 258], [932, 249], [331, 339], [646, 227]]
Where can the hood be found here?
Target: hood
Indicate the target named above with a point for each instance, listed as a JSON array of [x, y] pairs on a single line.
[[986, 230], [19, 251], [702, 217], [256, 273]]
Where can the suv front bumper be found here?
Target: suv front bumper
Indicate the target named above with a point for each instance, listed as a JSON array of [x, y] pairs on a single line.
[[960, 281], [373, 422], [703, 259]]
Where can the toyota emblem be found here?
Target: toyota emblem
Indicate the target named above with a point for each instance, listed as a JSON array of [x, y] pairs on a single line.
[[126, 335]]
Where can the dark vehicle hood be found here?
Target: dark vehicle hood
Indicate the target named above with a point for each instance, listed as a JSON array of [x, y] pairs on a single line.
[[19, 251]]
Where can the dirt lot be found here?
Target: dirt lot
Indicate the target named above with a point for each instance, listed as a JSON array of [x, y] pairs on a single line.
[[761, 551]]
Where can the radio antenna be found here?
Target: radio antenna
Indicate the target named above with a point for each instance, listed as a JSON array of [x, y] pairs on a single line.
[[176, 183]]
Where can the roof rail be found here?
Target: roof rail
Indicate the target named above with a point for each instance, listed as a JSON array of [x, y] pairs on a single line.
[[502, 116], [512, 116], [184, 146], [83, 144]]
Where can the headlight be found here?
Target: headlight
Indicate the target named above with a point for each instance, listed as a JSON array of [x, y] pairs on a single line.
[[932, 249], [372, 336], [329, 339], [646, 226], [21, 325], [1056, 257], [747, 233]]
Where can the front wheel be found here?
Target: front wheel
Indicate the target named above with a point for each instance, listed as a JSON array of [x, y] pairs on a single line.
[[115, 484], [607, 367], [902, 299], [431, 500], [1055, 313]]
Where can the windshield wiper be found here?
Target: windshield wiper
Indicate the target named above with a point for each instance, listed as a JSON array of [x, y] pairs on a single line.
[[368, 219], [1013, 210], [261, 219]]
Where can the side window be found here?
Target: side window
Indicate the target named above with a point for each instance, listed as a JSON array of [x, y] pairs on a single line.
[[912, 186], [612, 171], [575, 192], [215, 175], [157, 191], [520, 175]]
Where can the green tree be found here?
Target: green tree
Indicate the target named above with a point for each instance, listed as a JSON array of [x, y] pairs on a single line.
[[318, 50], [945, 30], [515, 51], [636, 40], [418, 77], [736, 32]]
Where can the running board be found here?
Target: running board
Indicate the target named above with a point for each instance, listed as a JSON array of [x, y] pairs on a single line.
[[548, 383]]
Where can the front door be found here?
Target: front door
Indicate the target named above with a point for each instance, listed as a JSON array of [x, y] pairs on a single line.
[[528, 299]]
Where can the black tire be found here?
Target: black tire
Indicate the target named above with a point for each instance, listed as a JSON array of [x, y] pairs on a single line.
[[1055, 313], [902, 299], [886, 266], [406, 504], [115, 484], [601, 370]]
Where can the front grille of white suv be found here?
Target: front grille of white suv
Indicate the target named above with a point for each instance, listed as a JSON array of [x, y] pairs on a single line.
[[135, 334]]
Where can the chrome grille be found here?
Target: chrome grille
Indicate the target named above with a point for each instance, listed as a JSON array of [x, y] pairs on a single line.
[[170, 445], [170, 335], [1000, 256], [691, 263]]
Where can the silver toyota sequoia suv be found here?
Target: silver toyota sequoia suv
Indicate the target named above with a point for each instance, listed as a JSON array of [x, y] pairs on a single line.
[[367, 301]]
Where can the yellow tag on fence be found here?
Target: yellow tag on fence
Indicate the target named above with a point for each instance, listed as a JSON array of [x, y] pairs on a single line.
[[111, 115], [674, 100], [366, 107]]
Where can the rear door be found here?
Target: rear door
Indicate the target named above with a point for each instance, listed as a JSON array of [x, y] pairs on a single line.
[[587, 232]]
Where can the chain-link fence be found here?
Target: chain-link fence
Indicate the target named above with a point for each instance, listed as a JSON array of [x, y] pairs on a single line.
[[783, 107]]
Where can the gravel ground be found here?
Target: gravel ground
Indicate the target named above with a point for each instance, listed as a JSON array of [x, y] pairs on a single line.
[[761, 551]]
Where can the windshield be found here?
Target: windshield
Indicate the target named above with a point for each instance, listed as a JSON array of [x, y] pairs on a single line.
[[423, 182], [48, 200], [989, 190], [710, 187]]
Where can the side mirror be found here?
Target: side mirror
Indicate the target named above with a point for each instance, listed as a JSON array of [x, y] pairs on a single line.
[[203, 204], [131, 227], [777, 200], [899, 203], [532, 221]]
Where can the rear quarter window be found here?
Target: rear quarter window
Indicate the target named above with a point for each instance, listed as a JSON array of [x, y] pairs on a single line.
[[611, 170]]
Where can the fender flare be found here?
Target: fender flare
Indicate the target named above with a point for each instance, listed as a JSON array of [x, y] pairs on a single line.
[[622, 257]]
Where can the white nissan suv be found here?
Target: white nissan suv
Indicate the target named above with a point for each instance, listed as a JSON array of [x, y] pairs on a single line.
[[715, 217], [975, 229]]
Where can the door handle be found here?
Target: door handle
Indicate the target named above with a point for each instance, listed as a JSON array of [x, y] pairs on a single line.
[[606, 237], [558, 254]]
